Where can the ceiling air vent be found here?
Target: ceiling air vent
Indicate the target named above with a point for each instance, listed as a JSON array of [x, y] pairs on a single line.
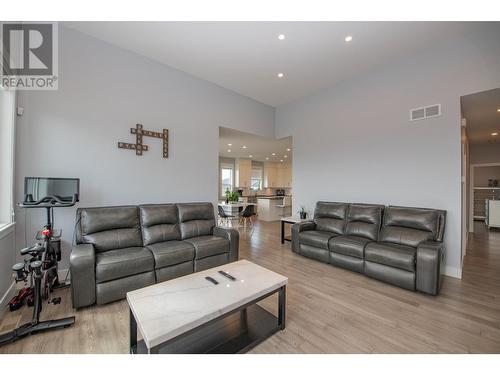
[[425, 112]]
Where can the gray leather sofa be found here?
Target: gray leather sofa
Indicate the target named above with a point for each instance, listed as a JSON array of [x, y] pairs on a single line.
[[399, 245], [119, 249]]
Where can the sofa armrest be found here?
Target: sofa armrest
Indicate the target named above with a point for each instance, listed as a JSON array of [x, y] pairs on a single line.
[[234, 241], [430, 257], [296, 229], [82, 268]]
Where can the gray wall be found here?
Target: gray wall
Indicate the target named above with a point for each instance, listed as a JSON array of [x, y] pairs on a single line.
[[103, 92], [354, 142], [7, 260]]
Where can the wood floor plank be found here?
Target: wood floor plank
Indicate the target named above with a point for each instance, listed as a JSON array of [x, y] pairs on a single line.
[[329, 310]]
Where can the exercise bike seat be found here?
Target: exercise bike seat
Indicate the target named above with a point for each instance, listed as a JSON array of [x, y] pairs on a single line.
[[33, 250]]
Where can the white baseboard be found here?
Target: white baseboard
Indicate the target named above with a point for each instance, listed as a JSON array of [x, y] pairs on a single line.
[[6, 298], [453, 272]]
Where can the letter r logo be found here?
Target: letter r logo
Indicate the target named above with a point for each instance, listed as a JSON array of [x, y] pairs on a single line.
[[27, 49]]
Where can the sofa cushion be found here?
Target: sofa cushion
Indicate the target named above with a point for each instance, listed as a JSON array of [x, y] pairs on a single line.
[[348, 245], [109, 228], [330, 217], [197, 219], [364, 220], [315, 238], [115, 264], [159, 223], [171, 252], [206, 246], [389, 254], [410, 226]]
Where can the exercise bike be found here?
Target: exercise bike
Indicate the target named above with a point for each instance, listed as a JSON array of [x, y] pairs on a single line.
[[40, 269]]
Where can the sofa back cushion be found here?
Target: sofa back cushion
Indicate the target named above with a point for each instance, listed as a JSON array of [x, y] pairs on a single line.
[[159, 223], [330, 217], [196, 219], [109, 228], [410, 226], [364, 220]]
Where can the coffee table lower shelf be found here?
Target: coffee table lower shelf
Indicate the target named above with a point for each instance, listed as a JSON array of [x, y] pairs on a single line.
[[235, 333]]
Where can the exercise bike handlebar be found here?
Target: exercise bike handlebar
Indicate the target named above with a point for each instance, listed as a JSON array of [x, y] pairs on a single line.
[[50, 201]]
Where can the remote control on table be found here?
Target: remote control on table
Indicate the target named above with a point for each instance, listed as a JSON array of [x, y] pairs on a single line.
[[212, 280], [225, 274]]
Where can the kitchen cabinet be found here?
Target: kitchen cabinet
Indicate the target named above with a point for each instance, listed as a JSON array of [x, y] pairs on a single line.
[[284, 175], [243, 175], [270, 175], [277, 175]]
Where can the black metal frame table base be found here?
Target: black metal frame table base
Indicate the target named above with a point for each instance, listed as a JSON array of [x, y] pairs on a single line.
[[283, 237], [234, 332]]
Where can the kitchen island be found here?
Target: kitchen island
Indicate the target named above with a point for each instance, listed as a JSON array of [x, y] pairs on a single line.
[[268, 208]]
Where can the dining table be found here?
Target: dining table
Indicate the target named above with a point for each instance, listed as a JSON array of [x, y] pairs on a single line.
[[235, 208]]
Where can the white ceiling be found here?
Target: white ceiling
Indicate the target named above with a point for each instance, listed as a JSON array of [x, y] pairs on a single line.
[[258, 147], [247, 56], [480, 111]]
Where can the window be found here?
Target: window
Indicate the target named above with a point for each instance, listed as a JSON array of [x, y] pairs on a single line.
[[226, 178], [7, 108], [256, 180]]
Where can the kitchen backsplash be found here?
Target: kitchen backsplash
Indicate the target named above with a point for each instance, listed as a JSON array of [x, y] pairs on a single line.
[[268, 191]]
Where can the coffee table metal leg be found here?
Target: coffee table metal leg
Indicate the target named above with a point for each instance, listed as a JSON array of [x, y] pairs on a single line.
[[282, 307], [154, 350], [133, 333]]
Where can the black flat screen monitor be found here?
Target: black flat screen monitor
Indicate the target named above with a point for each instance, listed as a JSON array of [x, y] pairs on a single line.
[[41, 187]]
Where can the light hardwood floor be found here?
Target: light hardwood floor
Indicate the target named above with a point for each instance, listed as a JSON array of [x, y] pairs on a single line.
[[329, 310]]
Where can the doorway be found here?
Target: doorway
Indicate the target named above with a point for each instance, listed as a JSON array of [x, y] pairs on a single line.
[[254, 171], [481, 170]]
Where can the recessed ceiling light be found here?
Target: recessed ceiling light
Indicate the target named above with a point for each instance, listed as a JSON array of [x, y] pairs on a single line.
[[289, 149], [281, 37], [250, 156], [229, 144], [280, 75], [244, 147], [267, 158], [495, 133], [498, 110], [348, 38], [281, 161], [273, 154], [228, 150], [285, 156]]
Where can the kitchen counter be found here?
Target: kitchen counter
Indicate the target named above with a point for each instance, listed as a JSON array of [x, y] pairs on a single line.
[[269, 208]]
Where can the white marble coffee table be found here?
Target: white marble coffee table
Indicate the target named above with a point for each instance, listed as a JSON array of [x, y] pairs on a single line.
[[192, 315]]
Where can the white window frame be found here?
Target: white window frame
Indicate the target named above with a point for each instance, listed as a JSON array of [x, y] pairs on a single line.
[[261, 178], [7, 152], [225, 166]]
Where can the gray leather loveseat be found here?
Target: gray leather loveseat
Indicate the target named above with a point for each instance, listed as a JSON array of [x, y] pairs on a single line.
[[399, 245], [119, 249]]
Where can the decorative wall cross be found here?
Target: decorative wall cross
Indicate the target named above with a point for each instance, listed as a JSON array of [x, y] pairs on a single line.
[[138, 146]]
